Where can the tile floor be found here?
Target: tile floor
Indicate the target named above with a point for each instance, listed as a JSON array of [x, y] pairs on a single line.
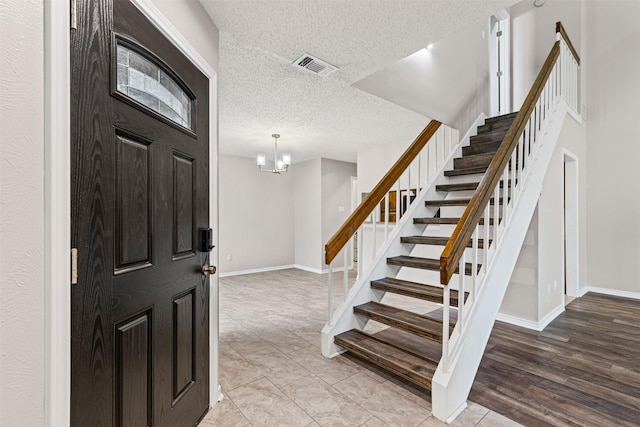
[[273, 374]]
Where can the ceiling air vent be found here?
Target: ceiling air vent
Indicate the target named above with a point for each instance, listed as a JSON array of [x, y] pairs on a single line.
[[314, 65]]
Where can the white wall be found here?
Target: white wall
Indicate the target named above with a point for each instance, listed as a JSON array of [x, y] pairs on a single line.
[[21, 213], [336, 198], [256, 216], [307, 193], [533, 297], [532, 36], [521, 298], [613, 144]]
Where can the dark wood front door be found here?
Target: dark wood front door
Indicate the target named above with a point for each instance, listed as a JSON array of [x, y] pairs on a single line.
[[140, 195]]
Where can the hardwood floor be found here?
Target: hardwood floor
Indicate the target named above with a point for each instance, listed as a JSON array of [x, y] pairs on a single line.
[[582, 370]]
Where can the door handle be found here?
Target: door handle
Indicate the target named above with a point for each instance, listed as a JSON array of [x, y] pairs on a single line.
[[208, 269]]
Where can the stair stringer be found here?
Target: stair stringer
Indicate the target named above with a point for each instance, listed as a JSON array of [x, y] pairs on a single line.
[[361, 292], [450, 390]]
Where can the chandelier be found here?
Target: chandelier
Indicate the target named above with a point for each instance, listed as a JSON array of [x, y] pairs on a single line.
[[279, 165]]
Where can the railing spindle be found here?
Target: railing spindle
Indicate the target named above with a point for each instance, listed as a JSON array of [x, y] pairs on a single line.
[[345, 274], [330, 292]]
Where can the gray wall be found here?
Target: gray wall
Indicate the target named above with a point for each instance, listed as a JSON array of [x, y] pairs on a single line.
[[272, 221], [256, 216], [336, 199]]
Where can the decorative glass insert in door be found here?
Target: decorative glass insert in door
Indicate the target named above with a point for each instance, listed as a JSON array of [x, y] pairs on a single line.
[[145, 82]]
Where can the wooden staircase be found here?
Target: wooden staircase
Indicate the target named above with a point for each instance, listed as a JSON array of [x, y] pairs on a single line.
[[410, 345]]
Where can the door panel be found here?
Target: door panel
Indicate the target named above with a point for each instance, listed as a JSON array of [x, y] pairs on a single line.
[[140, 173]]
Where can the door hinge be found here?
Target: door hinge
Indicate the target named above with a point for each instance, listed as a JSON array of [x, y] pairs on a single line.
[[74, 266], [74, 16], [499, 74], [498, 34]]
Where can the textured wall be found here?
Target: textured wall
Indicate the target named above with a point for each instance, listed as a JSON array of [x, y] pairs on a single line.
[[307, 193], [21, 213], [256, 216], [613, 69], [336, 193]]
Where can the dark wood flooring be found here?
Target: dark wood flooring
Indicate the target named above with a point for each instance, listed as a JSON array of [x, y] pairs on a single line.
[[582, 370]]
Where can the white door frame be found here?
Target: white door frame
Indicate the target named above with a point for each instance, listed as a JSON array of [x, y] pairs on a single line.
[[500, 62], [57, 214], [570, 214]]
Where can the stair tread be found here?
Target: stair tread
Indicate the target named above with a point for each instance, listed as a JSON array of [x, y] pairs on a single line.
[[466, 171], [454, 202], [434, 240], [481, 147], [504, 124], [490, 135], [473, 161], [503, 117], [424, 326], [405, 364], [445, 221], [405, 341], [422, 291], [463, 186], [422, 263]]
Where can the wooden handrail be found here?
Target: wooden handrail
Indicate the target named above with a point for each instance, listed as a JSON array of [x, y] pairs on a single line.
[[560, 29], [459, 239], [370, 202]]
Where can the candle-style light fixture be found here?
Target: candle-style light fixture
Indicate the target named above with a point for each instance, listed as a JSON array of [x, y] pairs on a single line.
[[279, 165]]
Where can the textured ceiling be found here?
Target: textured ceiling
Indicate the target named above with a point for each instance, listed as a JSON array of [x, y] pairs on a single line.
[[261, 93]]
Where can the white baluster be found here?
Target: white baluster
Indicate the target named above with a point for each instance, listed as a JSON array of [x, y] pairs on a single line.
[[330, 292], [474, 265], [462, 272], [446, 298], [345, 273]]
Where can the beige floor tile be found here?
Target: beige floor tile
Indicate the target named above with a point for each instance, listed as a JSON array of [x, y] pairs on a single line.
[[493, 419], [265, 405], [329, 370], [433, 422], [234, 369], [383, 400], [325, 404], [263, 316], [375, 422], [224, 414], [470, 416], [411, 392], [277, 367]]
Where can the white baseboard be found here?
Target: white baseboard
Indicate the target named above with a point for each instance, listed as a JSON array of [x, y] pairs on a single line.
[[531, 324], [281, 267], [550, 316], [309, 269], [613, 292], [257, 270]]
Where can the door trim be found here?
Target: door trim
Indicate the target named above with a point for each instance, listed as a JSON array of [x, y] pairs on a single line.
[[57, 215], [571, 216]]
